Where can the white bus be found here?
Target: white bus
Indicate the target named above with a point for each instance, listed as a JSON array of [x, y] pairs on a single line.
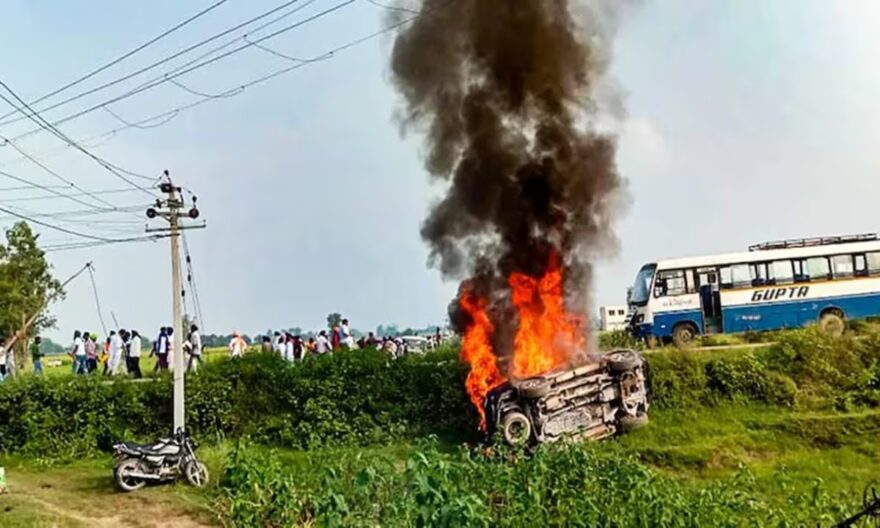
[[774, 285]]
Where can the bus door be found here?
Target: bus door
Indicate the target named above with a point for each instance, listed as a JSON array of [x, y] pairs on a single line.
[[710, 299]]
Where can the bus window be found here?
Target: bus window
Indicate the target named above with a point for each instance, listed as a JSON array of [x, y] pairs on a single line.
[[759, 274], [669, 283], [873, 263], [781, 272], [817, 268], [842, 266], [861, 267], [800, 271], [742, 275], [726, 278], [689, 279]]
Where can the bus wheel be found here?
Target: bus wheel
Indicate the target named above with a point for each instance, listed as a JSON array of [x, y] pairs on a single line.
[[832, 323], [684, 335]]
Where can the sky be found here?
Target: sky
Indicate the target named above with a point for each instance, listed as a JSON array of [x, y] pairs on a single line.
[[745, 121]]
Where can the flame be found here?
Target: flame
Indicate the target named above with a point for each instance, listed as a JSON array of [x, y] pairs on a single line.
[[547, 336], [477, 351]]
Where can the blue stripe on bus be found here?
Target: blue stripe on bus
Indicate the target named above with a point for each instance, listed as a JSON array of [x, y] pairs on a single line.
[[742, 318], [664, 322], [771, 316]]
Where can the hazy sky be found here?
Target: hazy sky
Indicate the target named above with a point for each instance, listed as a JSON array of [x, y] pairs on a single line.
[[746, 121]]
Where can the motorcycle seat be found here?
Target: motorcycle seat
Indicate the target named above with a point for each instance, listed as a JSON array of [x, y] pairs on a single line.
[[160, 448]]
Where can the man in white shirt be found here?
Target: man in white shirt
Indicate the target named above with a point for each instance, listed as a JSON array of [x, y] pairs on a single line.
[[2, 362], [134, 355], [347, 338], [237, 346], [115, 351], [79, 354], [195, 343], [322, 344]]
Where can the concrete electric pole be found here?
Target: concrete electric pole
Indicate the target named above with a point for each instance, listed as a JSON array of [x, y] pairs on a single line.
[[172, 209]]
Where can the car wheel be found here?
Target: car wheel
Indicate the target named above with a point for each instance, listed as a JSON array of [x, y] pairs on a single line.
[[517, 428], [124, 479], [623, 360], [684, 335], [832, 323], [534, 388], [631, 423]]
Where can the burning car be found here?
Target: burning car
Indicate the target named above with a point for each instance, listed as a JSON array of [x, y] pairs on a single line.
[[593, 401]]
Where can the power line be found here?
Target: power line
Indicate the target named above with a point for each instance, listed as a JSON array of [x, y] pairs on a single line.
[[69, 246], [48, 189], [87, 212], [166, 78], [97, 301], [159, 62], [165, 117], [59, 228], [89, 193], [126, 55], [36, 118], [191, 279]]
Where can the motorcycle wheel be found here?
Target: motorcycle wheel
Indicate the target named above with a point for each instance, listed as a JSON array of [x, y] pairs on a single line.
[[196, 473], [124, 481]]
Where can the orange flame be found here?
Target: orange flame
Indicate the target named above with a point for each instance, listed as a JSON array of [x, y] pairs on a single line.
[[547, 336], [477, 351]]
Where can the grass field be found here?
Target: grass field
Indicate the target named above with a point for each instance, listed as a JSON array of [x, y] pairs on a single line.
[[784, 452]]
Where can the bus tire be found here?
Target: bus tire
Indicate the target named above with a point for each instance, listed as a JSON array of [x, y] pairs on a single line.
[[831, 322], [684, 335]]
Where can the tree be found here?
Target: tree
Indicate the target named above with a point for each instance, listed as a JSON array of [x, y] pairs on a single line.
[[26, 285], [334, 319]]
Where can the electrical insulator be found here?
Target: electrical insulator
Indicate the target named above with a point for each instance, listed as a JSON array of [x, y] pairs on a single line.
[[193, 213], [151, 213]]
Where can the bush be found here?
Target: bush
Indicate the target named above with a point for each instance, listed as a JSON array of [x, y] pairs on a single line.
[[363, 397], [559, 485], [355, 397]]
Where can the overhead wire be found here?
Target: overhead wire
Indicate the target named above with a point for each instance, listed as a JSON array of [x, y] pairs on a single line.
[[165, 78], [39, 120], [126, 55], [168, 115], [160, 62], [97, 300], [191, 280]]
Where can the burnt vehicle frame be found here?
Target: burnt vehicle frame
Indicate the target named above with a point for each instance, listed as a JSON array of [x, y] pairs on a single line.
[[593, 401]]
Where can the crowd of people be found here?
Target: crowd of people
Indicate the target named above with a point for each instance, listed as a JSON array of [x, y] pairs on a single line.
[[122, 350]]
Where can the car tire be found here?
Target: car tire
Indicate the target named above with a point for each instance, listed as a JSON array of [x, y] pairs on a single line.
[[534, 388], [684, 335], [623, 360], [832, 323], [516, 428], [631, 423], [122, 475]]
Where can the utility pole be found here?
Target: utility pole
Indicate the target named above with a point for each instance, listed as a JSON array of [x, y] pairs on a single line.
[[172, 209]]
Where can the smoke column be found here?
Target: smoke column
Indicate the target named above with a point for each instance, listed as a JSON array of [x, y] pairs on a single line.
[[504, 93]]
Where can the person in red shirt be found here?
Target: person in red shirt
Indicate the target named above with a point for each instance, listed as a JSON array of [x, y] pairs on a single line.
[[335, 338]]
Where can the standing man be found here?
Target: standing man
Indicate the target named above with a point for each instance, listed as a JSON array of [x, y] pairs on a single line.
[[133, 364], [237, 346], [90, 341], [2, 360], [195, 343], [116, 346], [37, 356], [78, 353], [347, 338], [160, 349], [322, 344], [278, 343]]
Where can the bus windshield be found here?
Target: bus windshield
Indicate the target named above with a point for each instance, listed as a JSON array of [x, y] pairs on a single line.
[[642, 287]]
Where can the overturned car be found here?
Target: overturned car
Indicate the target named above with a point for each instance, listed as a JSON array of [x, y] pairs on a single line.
[[592, 401]]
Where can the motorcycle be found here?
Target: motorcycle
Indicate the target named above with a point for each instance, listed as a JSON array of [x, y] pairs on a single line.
[[164, 461]]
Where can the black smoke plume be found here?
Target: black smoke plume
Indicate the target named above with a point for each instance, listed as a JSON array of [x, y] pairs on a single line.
[[504, 92]]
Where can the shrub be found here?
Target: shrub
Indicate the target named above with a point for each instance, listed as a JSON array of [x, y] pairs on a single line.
[[559, 485]]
